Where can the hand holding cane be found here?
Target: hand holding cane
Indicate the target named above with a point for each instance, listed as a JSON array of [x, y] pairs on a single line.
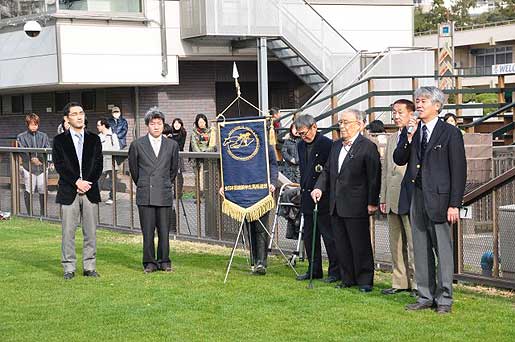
[[311, 263]]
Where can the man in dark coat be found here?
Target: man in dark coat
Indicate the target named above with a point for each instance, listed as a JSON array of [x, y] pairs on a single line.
[[352, 177], [154, 162], [313, 151], [77, 156]]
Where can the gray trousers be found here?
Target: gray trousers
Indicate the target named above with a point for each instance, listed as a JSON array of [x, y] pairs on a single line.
[[431, 243], [80, 210]]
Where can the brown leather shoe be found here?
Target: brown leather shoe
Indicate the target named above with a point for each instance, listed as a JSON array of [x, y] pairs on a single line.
[[443, 309], [419, 306]]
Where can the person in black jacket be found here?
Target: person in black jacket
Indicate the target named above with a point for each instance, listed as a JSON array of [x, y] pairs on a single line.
[[290, 156], [313, 151], [352, 177], [77, 156], [435, 181]]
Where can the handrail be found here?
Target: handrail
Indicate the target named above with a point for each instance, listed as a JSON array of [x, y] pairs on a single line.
[[503, 130], [486, 117], [489, 186], [471, 27], [331, 26]]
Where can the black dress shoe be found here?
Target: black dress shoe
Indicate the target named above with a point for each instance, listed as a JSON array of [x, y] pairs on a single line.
[[443, 309], [392, 291], [342, 285], [331, 279], [91, 273], [69, 275], [260, 270], [166, 267], [149, 268], [365, 288], [419, 306], [305, 276]]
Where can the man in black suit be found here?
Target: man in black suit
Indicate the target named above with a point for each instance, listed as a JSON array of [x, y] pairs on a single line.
[[435, 179], [154, 162], [352, 177], [77, 156], [313, 152]]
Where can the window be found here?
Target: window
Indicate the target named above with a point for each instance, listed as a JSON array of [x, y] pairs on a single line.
[[18, 8], [88, 99], [17, 104], [61, 99], [490, 56], [124, 6]]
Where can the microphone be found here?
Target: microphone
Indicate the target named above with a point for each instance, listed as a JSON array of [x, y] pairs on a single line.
[[410, 128]]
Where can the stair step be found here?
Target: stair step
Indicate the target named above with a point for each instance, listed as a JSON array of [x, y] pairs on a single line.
[[288, 57], [308, 74], [298, 65], [280, 48]]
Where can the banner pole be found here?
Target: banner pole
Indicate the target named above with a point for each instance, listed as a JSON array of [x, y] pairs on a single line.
[[234, 250]]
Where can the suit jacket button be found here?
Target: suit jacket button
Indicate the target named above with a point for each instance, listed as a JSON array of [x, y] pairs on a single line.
[[418, 166], [412, 181]]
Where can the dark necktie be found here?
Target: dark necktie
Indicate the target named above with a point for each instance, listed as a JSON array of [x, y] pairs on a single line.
[[423, 144]]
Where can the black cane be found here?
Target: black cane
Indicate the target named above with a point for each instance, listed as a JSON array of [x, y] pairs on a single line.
[[311, 263]]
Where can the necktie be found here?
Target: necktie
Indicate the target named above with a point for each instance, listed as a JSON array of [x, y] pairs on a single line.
[[79, 147], [423, 145]]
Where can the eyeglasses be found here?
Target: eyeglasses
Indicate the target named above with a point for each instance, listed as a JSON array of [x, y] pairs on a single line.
[[302, 134], [346, 123]]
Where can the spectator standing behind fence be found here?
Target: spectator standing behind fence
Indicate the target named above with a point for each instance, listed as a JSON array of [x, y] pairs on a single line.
[[395, 204], [63, 126], [119, 126], [77, 155], [200, 136], [109, 143], [437, 172], [290, 156], [451, 119], [179, 135], [352, 179], [313, 151], [153, 162], [33, 163]]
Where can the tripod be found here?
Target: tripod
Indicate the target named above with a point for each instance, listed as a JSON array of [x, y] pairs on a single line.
[[240, 233]]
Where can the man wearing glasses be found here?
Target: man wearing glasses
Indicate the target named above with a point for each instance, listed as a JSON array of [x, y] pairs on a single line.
[[313, 152], [77, 156], [352, 179], [395, 203]]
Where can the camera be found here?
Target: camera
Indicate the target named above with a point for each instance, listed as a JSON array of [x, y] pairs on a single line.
[[32, 28]]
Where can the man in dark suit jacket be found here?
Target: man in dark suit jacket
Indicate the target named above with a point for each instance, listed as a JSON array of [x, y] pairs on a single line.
[[313, 152], [77, 156], [435, 154], [352, 177], [154, 162]]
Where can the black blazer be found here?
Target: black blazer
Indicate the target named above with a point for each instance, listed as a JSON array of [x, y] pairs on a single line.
[[444, 170], [153, 175], [309, 174], [358, 183], [67, 166]]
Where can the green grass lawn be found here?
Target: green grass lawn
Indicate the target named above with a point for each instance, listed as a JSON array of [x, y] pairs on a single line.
[[193, 304]]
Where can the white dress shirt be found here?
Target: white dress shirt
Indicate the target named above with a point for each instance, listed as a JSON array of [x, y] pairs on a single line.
[[78, 149], [430, 128], [345, 149], [156, 144]]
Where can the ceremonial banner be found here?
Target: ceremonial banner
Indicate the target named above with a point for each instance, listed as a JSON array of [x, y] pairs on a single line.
[[245, 168]]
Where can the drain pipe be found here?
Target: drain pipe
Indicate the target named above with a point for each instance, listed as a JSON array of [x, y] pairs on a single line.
[[164, 48]]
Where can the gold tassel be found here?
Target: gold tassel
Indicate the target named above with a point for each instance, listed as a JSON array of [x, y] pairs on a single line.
[[251, 213], [272, 140]]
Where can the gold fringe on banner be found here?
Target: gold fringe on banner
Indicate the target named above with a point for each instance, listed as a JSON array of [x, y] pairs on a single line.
[[251, 213]]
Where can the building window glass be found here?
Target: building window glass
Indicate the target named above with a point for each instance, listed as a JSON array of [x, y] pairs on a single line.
[[18, 8], [123, 6], [17, 104], [88, 100], [61, 99]]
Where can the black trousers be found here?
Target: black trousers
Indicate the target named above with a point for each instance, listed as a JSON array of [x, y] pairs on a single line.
[[151, 219], [354, 250], [324, 229], [258, 240]]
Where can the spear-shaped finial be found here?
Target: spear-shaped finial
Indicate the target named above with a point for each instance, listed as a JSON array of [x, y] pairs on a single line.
[[235, 75]]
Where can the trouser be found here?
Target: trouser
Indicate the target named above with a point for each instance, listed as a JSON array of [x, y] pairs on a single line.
[[354, 249], [401, 247], [323, 229], [33, 182], [258, 237], [430, 240], [106, 181], [80, 210], [154, 218]]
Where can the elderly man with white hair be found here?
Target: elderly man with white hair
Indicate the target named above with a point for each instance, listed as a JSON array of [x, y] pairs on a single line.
[[352, 179], [435, 176]]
